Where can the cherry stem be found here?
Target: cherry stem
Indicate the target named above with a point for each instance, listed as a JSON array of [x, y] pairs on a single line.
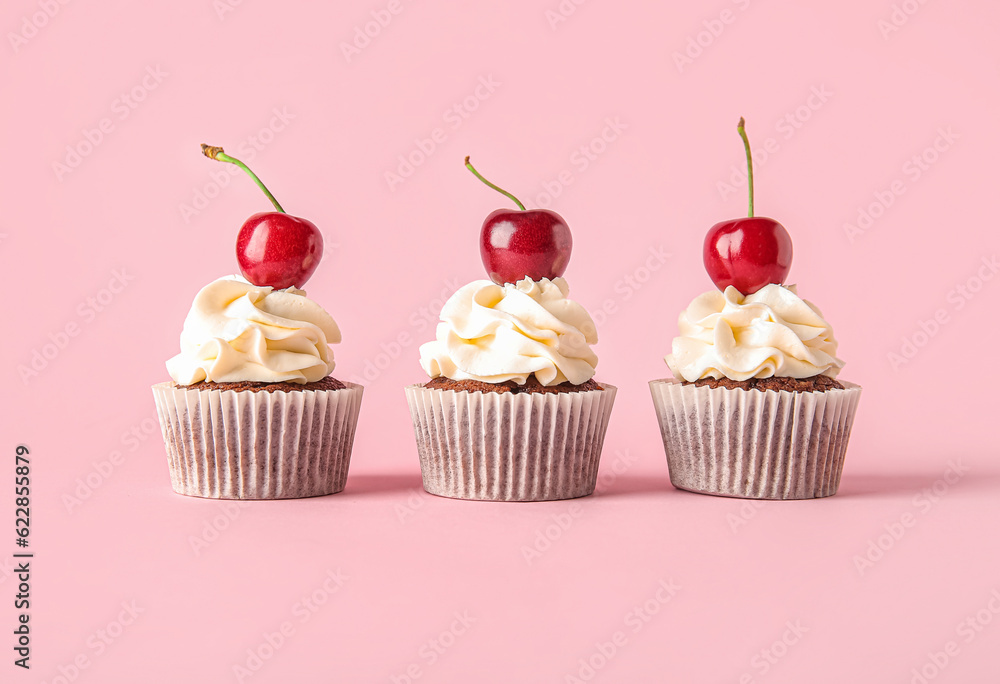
[[469, 166], [218, 154], [740, 127]]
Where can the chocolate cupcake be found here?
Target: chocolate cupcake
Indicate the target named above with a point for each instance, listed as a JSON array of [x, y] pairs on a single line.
[[754, 409], [251, 412], [512, 412]]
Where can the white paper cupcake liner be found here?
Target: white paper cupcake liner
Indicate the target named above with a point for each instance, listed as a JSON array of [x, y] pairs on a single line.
[[510, 447], [755, 444], [257, 445]]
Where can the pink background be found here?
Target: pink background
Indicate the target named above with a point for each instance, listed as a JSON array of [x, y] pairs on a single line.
[[414, 561]]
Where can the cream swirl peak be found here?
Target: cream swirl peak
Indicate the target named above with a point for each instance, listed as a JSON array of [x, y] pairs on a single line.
[[238, 332], [495, 333], [771, 332]]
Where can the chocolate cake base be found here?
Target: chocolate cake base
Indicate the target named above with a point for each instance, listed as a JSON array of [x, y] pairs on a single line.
[[327, 383], [817, 383], [532, 386]]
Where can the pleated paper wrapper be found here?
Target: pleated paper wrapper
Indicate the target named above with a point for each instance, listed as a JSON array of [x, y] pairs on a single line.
[[510, 447], [258, 445], [755, 444]]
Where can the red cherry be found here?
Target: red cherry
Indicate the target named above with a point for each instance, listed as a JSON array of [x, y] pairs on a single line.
[[748, 253], [517, 244], [532, 244], [278, 250], [274, 249]]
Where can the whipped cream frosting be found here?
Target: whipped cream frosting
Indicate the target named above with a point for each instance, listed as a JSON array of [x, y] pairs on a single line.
[[238, 332], [495, 333], [771, 332]]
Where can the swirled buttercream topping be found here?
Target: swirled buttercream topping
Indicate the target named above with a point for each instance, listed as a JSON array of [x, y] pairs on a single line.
[[495, 333], [237, 332], [771, 332]]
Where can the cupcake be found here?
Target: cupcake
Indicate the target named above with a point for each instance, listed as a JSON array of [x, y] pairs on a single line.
[[251, 411], [512, 411], [755, 408]]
